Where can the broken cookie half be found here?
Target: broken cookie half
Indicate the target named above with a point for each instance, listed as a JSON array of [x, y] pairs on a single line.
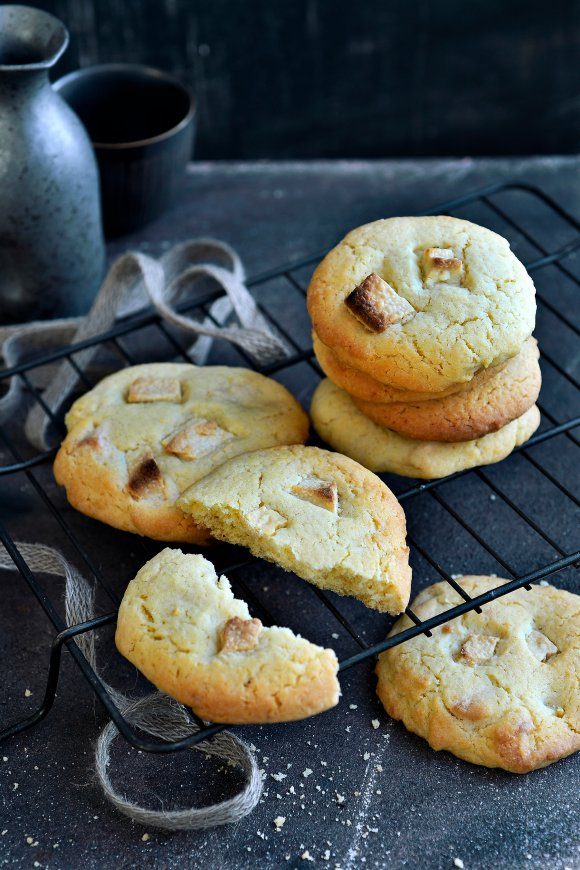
[[316, 513], [181, 626]]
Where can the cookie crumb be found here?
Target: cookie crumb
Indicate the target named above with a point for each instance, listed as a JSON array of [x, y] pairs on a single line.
[[279, 822], [375, 723], [306, 772], [145, 837], [457, 862], [27, 693], [306, 856]]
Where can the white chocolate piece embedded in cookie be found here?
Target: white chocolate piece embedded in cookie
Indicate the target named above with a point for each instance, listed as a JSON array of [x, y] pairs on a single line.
[[151, 389], [322, 493], [439, 265], [376, 305], [197, 438], [240, 635]]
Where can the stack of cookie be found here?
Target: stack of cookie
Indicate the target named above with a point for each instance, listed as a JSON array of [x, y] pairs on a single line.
[[423, 326]]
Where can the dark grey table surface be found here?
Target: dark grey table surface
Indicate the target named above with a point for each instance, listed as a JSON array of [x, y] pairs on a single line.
[[404, 805]]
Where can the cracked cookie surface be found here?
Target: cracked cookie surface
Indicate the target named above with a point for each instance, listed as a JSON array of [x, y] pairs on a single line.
[[498, 688], [465, 319], [492, 400], [340, 424], [181, 626], [144, 434], [316, 513]]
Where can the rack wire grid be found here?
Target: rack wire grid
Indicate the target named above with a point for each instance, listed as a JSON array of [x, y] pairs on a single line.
[[519, 517]]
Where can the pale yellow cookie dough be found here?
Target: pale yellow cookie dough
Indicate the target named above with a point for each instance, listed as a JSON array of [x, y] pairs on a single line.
[[490, 402], [340, 424], [466, 318], [181, 626], [146, 433], [313, 512]]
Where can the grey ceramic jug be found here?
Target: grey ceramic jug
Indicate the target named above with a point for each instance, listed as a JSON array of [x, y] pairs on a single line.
[[51, 239]]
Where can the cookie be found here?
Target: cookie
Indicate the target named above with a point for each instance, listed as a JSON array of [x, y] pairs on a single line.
[[498, 688], [316, 513], [362, 386], [144, 434], [422, 303], [492, 400], [181, 626], [340, 424]]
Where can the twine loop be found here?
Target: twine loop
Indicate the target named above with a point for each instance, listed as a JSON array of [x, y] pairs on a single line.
[[136, 279], [156, 714]]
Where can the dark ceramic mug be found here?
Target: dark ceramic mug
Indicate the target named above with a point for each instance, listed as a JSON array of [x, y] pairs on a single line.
[[141, 123]]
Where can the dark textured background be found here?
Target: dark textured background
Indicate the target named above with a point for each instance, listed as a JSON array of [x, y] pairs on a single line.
[[421, 809], [327, 78]]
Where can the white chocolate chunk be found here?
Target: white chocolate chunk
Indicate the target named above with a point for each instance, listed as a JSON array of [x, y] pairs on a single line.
[[145, 478], [322, 493], [154, 390], [478, 648], [197, 438], [441, 266], [540, 646], [376, 305], [266, 520], [240, 635]]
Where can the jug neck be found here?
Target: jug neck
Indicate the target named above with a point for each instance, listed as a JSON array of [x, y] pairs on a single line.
[[31, 42]]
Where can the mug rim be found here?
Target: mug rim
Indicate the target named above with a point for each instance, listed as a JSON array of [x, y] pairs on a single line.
[[151, 72]]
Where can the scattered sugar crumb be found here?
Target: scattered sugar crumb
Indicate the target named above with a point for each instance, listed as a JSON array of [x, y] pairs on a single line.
[[306, 856], [457, 862], [279, 776], [375, 723], [27, 693], [335, 636], [340, 798], [353, 706], [306, 772], [145, 837], [366, 756], [279, 821]]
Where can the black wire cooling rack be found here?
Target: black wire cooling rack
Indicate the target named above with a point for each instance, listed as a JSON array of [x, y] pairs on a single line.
[[534, 521]]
